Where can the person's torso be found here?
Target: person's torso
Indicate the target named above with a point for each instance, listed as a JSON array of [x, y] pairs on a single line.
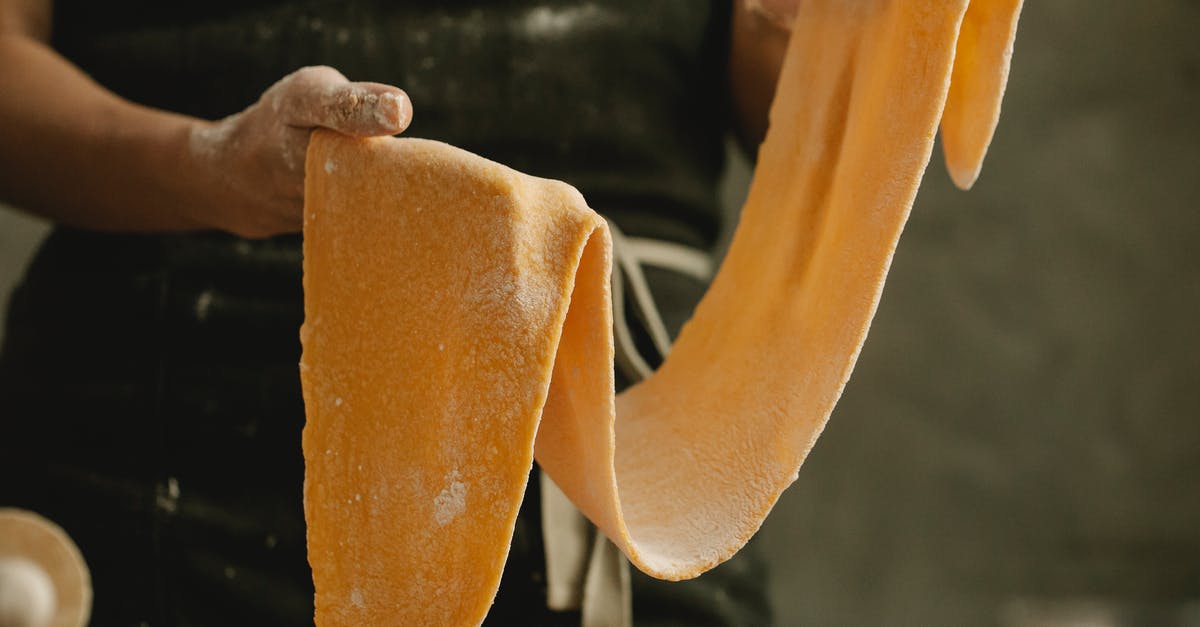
[[625, 99]]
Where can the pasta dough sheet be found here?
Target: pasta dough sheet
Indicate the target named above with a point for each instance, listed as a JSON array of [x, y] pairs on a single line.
[[458, 322]]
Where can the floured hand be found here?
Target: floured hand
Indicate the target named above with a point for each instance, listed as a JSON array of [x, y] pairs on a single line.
[[256, 158]]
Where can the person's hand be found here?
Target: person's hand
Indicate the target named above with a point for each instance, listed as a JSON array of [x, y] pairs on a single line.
[[779, 12], [255, 159]]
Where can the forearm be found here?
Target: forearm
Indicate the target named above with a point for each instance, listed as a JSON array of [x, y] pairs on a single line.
[[75, 153], [757, 47]]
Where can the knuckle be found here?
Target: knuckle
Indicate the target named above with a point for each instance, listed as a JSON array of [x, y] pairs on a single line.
[[317, 74]]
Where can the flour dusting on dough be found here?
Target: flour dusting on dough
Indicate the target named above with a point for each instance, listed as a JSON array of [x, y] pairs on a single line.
[[451, 501]]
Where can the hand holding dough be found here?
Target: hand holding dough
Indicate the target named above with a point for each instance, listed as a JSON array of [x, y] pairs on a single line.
[[256, 157], [458, 318]]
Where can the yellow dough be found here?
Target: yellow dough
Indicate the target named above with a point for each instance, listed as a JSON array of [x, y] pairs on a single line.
[[985, 45], [456, 309]]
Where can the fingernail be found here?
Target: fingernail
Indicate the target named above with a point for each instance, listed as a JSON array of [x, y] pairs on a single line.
[[391, 111]]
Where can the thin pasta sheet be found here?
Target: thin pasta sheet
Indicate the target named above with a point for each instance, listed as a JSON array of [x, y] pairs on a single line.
[[458, 324]]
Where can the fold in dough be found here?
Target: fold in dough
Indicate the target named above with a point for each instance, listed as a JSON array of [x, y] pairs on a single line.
[[451, 303]]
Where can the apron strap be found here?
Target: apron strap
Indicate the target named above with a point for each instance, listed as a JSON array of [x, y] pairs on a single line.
[[584, 570]]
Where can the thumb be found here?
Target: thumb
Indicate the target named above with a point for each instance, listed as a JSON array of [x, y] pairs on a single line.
[[321, 96]]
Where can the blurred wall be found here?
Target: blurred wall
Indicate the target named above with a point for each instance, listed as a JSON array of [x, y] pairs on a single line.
[[1020, 442]]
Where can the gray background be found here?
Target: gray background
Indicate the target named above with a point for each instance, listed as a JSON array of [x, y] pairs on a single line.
[[1020, 442]]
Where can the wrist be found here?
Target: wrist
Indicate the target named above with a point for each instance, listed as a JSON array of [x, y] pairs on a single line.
[[211, 198], [199, 153]]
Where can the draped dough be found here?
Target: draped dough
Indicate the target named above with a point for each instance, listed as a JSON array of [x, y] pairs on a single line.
[[456, 309]]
